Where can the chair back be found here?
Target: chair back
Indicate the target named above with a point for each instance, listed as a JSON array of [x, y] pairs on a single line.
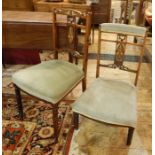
[[73, 20], [122, 32]]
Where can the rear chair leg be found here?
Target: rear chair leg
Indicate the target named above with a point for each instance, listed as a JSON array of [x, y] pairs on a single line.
[[76, 120], [19, 101], [84, 84], [130, 135], [70, 58], [55, 122]]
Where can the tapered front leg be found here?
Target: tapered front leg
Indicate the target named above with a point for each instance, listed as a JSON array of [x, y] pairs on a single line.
[[130, 135], [55, 122], [19, 101]]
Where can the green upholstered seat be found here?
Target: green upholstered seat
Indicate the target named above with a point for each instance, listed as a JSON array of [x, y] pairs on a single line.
[[123, 28], [50, 80], [109, 101]]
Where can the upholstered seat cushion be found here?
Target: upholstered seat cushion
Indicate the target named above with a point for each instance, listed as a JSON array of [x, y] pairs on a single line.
[[109, 101], [50, 80], [123, 28]]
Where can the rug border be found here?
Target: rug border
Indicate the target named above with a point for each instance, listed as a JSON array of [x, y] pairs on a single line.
[[29, 134]]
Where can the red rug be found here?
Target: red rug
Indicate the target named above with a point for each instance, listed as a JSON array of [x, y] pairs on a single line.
[[15, 136]]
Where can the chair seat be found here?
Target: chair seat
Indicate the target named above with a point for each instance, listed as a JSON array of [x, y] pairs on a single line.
[[50, 80], [123, 28], [109, 101]]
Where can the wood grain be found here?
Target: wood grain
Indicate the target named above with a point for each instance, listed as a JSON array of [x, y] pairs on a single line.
[[20, 5], [30, 30]]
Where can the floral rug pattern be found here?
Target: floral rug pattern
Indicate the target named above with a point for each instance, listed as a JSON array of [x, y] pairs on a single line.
[[16, 135], [41, 141]]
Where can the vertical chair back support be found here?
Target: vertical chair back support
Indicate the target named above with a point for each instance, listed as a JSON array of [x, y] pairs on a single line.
[[122, 31], [71, 21]]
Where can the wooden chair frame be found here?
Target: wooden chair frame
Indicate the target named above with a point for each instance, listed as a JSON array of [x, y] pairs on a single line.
[[72, 14], [71, 22], [121, 43]]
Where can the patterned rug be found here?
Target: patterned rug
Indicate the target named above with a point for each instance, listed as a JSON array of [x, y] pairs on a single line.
[[16, 136], [40, 141]]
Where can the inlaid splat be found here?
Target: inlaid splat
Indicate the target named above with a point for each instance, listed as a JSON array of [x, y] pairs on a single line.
[[120, 50]]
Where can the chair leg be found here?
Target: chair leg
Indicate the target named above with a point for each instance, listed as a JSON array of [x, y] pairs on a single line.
[[84, 84], [130, 135], [76, 61], [76, 120], [19, 101], [56, 55], [135, 40], [55, 122], [70, 58]]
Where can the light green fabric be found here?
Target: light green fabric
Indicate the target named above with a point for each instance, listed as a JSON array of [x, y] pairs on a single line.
[[109, 101], [123, 28], [50, 80]]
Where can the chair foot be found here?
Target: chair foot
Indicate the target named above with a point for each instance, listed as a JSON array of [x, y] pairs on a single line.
[[55, 122], [130, 135], [19, 101], [76, 120]]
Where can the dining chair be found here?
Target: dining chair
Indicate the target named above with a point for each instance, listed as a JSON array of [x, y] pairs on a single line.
[[111, 100], [50, 81]]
